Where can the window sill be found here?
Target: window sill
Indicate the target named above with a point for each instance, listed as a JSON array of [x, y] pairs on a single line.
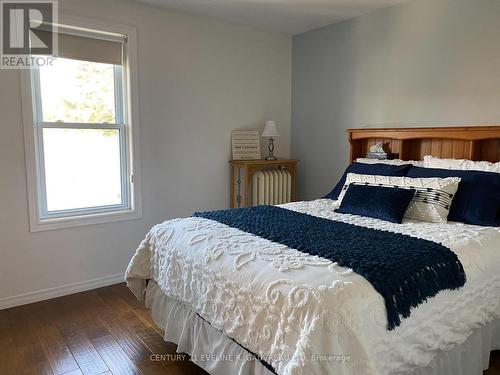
[[40, 225]]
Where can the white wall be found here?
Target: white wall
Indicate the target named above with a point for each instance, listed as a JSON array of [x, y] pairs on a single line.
[[423, 63], [198, 79]]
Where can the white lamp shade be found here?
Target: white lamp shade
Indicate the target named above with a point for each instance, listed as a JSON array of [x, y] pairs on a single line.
[[270, 130]]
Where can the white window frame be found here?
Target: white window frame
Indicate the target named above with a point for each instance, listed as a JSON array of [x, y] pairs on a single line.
[[126, 122]]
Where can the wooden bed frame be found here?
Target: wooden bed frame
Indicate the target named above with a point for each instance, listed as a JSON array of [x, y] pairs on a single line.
[[463, 142]]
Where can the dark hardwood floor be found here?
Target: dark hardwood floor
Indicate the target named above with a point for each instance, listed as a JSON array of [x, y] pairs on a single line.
[[103, 331]]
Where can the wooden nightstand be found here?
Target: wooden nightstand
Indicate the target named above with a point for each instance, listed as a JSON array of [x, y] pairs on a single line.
[[242, 173]]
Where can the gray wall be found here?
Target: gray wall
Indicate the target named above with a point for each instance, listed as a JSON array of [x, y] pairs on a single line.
[[198, 78], [424, 63]]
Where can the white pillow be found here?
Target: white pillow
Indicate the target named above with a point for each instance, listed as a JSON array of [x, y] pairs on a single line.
[[417, 163], [461, 164], [432, 198]]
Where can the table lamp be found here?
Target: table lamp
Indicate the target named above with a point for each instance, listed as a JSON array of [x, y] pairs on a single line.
[[270, 132]]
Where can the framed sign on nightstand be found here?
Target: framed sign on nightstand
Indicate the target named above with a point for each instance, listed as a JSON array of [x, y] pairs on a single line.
[[245, 144]]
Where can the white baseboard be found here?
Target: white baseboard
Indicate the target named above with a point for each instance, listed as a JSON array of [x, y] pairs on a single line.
[[58, 291]]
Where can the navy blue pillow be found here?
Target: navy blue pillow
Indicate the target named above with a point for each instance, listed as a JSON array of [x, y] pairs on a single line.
[[375, 169], [477, 200], [379, 202]]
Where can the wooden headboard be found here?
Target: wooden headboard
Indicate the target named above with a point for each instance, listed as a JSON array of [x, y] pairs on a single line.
[[467, 142]]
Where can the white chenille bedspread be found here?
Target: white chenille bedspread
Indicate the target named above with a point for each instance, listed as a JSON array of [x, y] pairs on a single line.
[[306, 315]]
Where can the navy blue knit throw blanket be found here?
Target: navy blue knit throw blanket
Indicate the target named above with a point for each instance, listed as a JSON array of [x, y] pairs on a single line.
[[404, 270]]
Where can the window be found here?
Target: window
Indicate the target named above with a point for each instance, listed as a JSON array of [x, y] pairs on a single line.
[[82, 170]]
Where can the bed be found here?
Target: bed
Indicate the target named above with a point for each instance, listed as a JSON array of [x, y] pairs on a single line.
[[239, 303]]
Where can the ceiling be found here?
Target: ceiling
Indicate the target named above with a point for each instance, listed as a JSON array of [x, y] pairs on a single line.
[[289, 17]]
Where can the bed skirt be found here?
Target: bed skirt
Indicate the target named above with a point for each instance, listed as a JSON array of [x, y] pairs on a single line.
[[218, 354]]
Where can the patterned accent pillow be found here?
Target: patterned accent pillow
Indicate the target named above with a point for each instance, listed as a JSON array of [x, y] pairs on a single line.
[[433, 196]]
